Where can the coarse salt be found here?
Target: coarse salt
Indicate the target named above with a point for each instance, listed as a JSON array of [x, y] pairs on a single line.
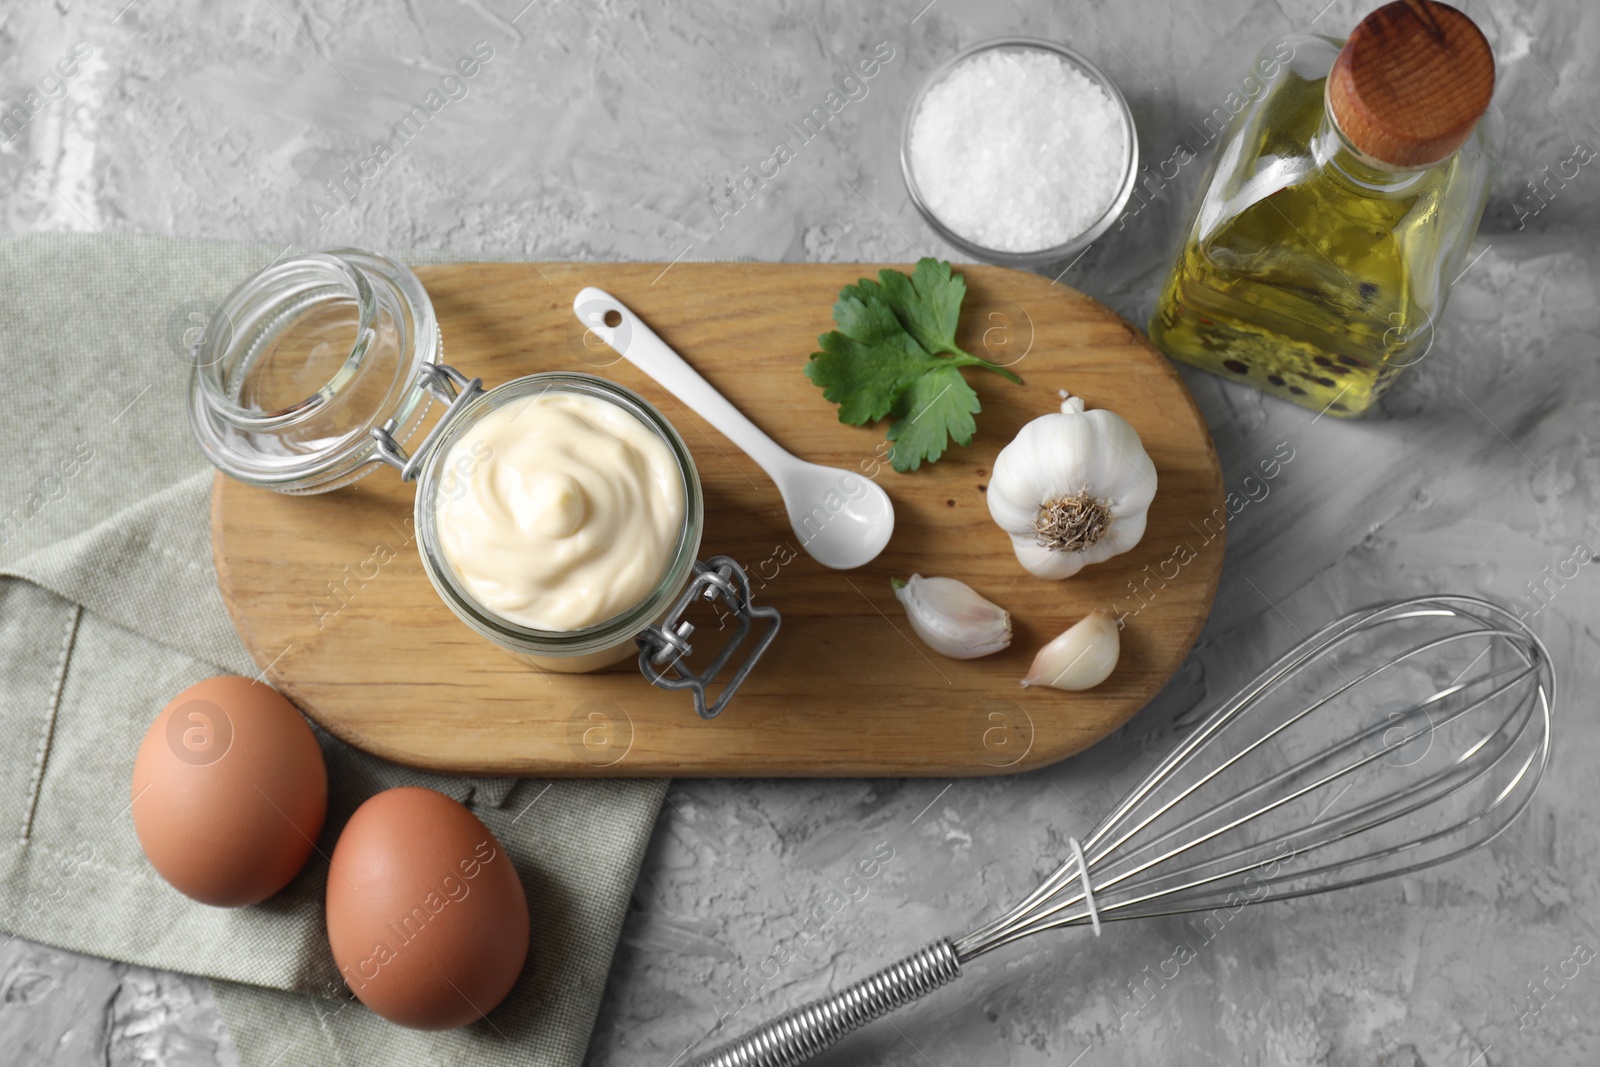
[[1017, 150]]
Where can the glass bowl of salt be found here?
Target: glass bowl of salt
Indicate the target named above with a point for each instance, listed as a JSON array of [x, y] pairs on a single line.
[[1019, 152]]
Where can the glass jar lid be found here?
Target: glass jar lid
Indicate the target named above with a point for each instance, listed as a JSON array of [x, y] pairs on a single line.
[[304, 360]]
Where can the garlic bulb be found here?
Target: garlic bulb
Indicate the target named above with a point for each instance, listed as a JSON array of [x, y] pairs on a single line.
[[1082, 657], [1072, 488], [952, 619]]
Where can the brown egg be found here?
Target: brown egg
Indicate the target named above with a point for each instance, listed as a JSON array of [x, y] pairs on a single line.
[[426, 915], [229, 792]]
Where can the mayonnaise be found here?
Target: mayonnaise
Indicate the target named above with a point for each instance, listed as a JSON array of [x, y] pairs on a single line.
[[559, 510]]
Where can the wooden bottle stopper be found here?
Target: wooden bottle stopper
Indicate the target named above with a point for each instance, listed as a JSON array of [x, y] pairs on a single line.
[[1412, 81]]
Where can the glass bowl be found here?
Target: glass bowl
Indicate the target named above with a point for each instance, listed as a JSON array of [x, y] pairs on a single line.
[[1029, 260]]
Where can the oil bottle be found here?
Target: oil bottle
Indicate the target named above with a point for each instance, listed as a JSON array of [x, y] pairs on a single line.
[[1338, 211]]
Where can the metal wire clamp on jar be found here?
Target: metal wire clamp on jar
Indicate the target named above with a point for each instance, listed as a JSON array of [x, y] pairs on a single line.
[[321, 368]]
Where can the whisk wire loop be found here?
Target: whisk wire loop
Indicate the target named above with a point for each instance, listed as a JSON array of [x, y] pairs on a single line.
[[1174, 845], [1088, 888]]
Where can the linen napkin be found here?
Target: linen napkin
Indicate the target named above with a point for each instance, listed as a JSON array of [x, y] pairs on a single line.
[[109, 607]]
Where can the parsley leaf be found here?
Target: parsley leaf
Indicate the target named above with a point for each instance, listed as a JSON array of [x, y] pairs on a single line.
[[928, 303], [866, 379], [938, 404], [867, 363], [894, 354]]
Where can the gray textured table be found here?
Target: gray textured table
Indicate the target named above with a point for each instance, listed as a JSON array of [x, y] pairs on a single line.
[[607, 133]]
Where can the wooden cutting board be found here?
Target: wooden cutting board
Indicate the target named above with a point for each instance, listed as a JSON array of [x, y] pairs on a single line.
[[846, 689]]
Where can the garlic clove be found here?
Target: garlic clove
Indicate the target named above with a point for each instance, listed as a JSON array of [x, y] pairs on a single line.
[[1082, 657], [1044, 562], [952, 619]]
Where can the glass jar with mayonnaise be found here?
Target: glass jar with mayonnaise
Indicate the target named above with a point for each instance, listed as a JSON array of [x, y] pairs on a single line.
[[558, 515]]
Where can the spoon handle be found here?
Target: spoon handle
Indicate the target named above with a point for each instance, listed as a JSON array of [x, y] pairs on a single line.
[[639, 345]]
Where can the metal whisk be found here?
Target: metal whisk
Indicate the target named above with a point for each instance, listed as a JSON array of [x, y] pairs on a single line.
[[1397, 737]]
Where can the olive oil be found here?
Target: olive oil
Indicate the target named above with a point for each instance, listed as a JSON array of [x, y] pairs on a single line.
[[1312, 270]]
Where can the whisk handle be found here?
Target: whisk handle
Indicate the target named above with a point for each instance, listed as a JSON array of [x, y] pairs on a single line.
[[807, 1031]]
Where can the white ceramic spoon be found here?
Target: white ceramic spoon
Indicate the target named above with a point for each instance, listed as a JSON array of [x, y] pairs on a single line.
[[843, 519]]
